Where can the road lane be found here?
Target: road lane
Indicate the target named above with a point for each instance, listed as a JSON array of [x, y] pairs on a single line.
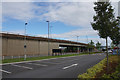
[[53, 70]]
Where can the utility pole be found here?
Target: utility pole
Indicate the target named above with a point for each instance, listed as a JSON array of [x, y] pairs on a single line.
[[25, 56], [48, 39]]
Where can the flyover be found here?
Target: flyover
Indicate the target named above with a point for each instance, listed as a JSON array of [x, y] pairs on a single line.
[[13, 45]]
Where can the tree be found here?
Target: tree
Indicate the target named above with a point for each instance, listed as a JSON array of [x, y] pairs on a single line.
[[115, 32], [103, 21], [112, 45], [98, 45], [91, 45]]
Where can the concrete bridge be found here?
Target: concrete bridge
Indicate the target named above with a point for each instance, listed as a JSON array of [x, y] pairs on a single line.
[[13, 45]]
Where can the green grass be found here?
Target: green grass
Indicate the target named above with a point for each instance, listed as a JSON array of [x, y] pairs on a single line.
[[91, 72], [100, 70], [98, 52], [40, 58]]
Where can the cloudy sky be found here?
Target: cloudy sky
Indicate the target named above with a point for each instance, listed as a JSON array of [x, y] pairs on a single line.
[[67, 19]]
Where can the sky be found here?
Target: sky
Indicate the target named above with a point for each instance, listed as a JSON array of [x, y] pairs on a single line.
[[67, 19]]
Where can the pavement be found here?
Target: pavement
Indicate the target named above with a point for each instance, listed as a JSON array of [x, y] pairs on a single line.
[[66, 67]]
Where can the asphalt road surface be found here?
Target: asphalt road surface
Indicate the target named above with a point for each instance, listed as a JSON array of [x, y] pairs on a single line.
[[67, 67]]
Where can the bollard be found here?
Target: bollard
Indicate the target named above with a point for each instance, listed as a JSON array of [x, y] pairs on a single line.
[[3, 58], [12, 57], [25, 57]]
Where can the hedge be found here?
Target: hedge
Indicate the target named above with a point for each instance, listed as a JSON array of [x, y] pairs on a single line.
[[91, 72]]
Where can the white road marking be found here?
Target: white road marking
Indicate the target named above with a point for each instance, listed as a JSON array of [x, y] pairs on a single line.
[[50, 62], [70, 66], [37, 64], [74, 59], [5, 71], [22, 66]]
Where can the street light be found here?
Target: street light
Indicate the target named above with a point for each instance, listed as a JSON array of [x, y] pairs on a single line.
[[78, 47], [50, 31], [48, 38], [87, 43], [25, 43], [87, 38], [77, 38]]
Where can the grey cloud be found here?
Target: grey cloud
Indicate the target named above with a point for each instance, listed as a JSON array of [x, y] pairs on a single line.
[[18, 10]]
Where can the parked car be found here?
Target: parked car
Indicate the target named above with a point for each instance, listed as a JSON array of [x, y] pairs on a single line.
[[109, 51], [116, 50]]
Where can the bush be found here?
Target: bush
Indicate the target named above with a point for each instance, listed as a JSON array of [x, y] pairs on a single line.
[[91, 72], [115, 75], [97, 71]]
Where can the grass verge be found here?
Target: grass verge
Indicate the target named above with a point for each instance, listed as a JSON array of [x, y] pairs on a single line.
[[99, 71], [40, 58]]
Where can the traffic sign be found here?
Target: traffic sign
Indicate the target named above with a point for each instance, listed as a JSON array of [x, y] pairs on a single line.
[[25, 46]]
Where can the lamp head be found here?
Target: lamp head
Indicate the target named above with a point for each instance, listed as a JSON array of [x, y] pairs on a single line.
[[26, 23]]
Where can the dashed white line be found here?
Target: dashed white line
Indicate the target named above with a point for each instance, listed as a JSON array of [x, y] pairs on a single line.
[[69, 61], [5, 71], [37, 64], [50, 62], [70, 66], [74, 59], [22, 66]]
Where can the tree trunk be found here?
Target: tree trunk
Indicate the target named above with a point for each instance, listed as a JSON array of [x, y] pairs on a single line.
[[107, 54], [117, 50]]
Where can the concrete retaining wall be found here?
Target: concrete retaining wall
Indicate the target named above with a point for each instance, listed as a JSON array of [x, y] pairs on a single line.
[[15, 47]]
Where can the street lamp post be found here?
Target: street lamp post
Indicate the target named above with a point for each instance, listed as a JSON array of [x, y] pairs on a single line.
[[77, 38], [77, 47], [48, 39], [25, 43], [50, 32], [87, 38], [87, 43]]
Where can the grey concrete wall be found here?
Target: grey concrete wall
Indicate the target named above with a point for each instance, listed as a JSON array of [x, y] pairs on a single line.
[[0, 47], [15, 47]]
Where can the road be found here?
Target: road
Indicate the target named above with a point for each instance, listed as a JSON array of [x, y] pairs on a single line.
[[67, 67]]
